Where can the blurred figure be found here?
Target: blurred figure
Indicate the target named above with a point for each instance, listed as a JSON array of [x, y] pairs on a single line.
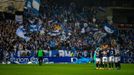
[[40, 55]]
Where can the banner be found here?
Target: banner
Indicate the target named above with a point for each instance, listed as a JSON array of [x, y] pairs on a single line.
[[83, 60], [50, 53], [52, 56], [127, 59], [34, 60], [55, 56]]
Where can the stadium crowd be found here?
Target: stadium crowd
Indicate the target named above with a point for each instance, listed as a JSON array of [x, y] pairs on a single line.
[[62, 28], [127, 45]]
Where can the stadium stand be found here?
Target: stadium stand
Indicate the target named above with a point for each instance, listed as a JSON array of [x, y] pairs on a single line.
[[72, 28]]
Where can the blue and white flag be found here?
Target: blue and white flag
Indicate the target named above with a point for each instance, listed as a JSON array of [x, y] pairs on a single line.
[[36, 6], [99, 35], [28, 4], [35, 28], [109, 28], [21, 33]]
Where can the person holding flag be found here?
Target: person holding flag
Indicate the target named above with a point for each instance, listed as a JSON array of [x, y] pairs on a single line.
[[40, 55]]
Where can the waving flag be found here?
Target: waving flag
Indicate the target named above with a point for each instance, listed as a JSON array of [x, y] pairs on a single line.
[[36, 6], [21, 33], [99, 35], [108, 29], [28, 4], [111, 30], [56, 29], [33, 6]]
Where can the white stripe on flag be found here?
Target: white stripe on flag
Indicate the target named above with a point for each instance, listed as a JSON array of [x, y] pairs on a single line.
[[36, 4]]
